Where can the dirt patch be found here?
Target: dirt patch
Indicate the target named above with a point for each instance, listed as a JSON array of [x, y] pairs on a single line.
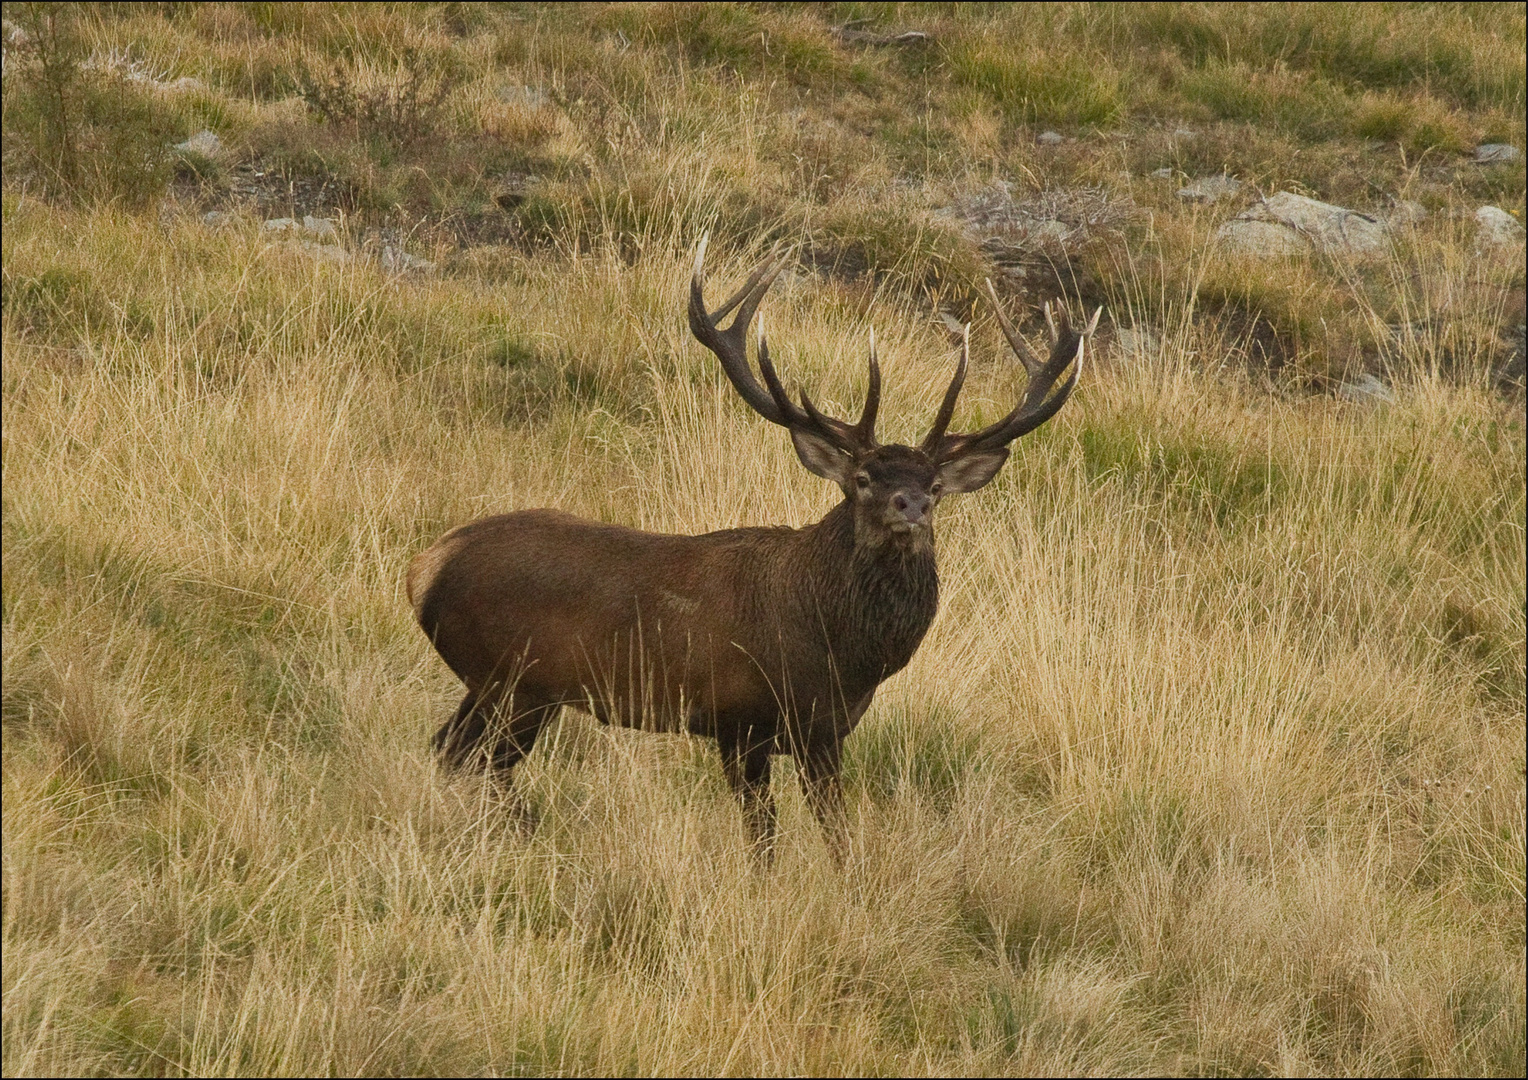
[[263, 191]]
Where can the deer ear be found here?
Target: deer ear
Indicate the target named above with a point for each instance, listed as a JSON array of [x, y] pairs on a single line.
[[971, 471], [823, 458]]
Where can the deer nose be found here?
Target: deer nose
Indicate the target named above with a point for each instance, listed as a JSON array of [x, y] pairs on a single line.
[[914, 508]]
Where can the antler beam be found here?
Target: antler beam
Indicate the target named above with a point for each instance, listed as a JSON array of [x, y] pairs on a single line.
[[770, 400]]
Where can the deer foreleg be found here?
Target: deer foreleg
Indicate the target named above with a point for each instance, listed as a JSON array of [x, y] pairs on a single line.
[[818, 769], [819, 765], [746, 766]]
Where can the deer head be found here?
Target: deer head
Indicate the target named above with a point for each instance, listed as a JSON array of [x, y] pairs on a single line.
[[893, 489]]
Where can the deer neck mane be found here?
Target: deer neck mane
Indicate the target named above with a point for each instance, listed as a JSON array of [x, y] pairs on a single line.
[[876, 602]]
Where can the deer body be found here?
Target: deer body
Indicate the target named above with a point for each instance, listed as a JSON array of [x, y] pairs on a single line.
[[770, 640], [774, 628]]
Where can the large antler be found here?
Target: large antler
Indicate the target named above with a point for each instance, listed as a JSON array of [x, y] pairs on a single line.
[[1037, 405], [731, 348]]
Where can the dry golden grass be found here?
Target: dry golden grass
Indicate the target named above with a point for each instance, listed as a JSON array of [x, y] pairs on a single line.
[[1213, 760]]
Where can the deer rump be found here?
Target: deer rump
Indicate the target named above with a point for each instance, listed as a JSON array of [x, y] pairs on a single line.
[[647, 630]]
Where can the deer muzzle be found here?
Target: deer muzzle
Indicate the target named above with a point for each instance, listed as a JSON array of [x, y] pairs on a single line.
[[909, 510]]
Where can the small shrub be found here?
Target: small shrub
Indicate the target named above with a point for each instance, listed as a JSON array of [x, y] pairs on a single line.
[[1290, 101], [738, 37], [1437, 128], [77, 129], [399, 108], [1382, 117], [64, 304], [1205, 480], [903, 246]]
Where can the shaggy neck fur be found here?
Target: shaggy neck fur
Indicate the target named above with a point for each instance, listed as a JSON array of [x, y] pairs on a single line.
[[875, 602]]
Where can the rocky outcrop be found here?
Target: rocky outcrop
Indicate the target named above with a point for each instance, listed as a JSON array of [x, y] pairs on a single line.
[[1286, 224], [1209, 189], [1498, 229], [1491, 153]]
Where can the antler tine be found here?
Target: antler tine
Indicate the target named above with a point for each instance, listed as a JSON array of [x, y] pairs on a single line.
[[805, 415], [947, 407], [849, 437], [1026, 356], [845, 435], [865, 430], [731, 348], [1042, 397], [1040, 408], [772, 380], [747, 299], [731, 345], [771, 266]]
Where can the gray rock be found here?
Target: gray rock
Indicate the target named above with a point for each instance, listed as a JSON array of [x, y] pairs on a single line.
[[204, 142], [395, 260], [1137, 342], [849, 35], [1406, 212], [1333, 229], [1497, 228], [952, 324], [1049, 138], [214, 219], [1515, 367], [326, 252], [531, 97], [1208, 189], [1049, 231], [1488, 153], [1011, 229], [1368, 388], [1164, 173], [1184, 133], [280, 224], [320, 227], [1261, 239]]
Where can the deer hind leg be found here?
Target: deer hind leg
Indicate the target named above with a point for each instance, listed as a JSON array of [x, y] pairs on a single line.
[[745, 762], [509, 742], [458, 737], [480, 734]]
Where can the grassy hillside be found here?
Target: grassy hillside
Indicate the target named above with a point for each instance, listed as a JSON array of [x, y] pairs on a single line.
[[1213, 761]]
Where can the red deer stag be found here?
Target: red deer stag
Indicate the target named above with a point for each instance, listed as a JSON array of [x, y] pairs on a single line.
[[769, 640]]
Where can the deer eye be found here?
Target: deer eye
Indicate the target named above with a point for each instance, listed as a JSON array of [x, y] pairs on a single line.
[[935, 488], [862, 481]]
